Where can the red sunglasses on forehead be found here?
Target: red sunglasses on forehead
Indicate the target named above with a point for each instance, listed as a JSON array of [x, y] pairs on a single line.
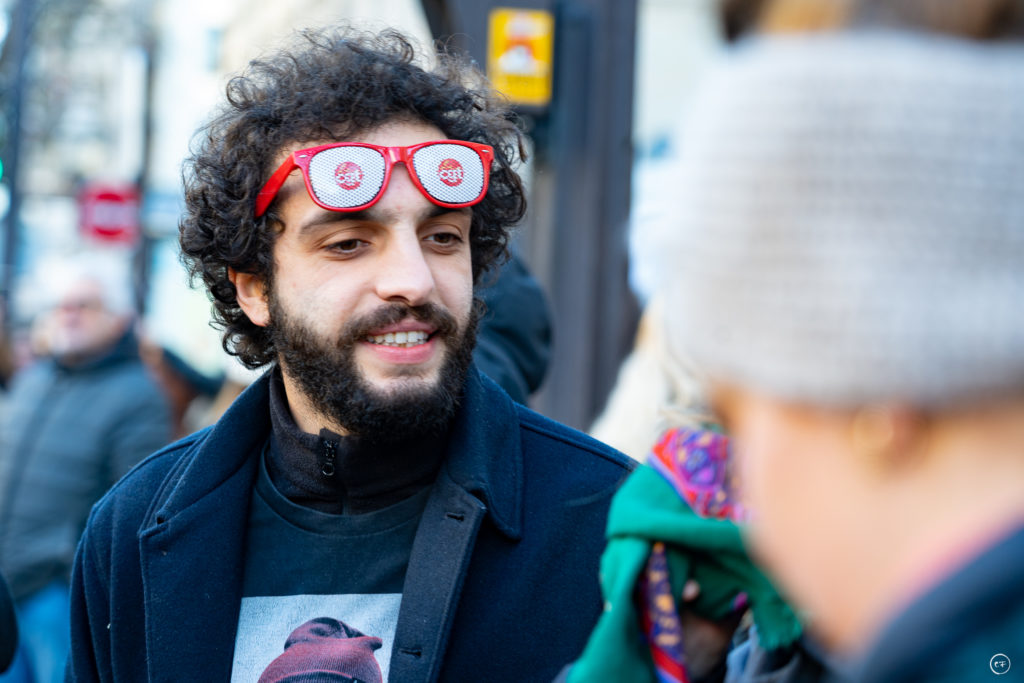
[[351, 176]]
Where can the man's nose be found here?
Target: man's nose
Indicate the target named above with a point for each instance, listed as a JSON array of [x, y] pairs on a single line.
[[405, 275]]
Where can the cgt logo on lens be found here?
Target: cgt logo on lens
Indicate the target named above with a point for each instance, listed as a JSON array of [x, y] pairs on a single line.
[[450, 172], [349, 175], [1000, 664]]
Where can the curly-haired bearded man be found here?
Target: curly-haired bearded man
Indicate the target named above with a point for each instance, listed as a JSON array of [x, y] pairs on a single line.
[[340, 210]]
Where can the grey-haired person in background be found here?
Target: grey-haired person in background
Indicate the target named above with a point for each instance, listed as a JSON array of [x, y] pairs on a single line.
[[75, 421]]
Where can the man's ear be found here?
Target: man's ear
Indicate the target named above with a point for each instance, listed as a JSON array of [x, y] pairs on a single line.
[[889, 437], [251, 295]]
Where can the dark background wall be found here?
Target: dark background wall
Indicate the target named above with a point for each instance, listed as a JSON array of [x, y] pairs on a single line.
[[574, 238]]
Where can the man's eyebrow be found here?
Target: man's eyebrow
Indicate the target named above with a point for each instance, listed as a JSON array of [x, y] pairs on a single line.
[[325, 217], [436, 211]]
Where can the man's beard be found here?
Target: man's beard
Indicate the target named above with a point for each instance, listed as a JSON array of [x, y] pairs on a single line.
[[326, 372]]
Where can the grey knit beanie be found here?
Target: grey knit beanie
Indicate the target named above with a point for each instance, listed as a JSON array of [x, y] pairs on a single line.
[[850, 221]]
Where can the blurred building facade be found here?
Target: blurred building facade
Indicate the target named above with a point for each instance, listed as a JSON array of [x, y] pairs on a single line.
[[74, 114]]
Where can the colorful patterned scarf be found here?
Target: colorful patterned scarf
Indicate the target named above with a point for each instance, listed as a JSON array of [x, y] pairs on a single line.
[[673, 520]]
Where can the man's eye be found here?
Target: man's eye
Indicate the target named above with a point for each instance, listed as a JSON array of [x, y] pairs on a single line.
[[347, 246], [445, 238]]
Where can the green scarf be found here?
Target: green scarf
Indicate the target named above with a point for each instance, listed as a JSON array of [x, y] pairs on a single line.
[[648, 509]]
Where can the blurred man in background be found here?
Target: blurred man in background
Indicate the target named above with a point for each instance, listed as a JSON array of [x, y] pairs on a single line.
[[75, 422]]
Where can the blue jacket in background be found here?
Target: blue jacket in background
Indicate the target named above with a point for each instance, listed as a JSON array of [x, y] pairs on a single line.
[[502, 579], [513, 343], [968, 627]]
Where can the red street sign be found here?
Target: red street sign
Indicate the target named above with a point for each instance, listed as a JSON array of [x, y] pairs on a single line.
[[109, 212]]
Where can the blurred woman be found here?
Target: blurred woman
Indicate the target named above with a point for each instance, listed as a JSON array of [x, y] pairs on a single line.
[[849, 276]]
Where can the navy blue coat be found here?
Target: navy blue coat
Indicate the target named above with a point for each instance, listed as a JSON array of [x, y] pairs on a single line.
[[502, 580], [968, 627]]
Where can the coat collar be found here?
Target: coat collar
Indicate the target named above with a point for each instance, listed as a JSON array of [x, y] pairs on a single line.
[[485, 456], [195, 536], [222, 450], [192, 549], [484, 453]]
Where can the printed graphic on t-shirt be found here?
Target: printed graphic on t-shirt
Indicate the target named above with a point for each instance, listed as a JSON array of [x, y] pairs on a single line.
[[303, 637]]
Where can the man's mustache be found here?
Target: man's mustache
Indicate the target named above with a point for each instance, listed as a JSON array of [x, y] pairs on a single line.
[[443, 322]]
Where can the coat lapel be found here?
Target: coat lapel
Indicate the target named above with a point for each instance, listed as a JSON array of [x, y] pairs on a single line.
[[482, 476], [485, 454], [192, 569], [433, 581], [192, 549]]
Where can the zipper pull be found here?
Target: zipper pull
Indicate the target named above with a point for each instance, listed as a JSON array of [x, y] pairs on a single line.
[[330, 453]]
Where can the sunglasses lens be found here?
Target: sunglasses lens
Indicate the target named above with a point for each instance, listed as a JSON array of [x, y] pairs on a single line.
[[453, 174], [346, 177]]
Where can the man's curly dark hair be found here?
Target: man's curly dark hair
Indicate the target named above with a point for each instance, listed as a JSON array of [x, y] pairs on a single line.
[[337, 85]]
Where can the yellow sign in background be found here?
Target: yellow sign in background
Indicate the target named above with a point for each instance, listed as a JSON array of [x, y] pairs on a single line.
[[520, 45]]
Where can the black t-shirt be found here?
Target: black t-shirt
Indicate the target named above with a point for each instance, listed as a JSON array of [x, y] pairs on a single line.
[[321, 582]]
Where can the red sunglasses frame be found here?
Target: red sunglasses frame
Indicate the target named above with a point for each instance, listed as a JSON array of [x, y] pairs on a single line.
[[301, 158]]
